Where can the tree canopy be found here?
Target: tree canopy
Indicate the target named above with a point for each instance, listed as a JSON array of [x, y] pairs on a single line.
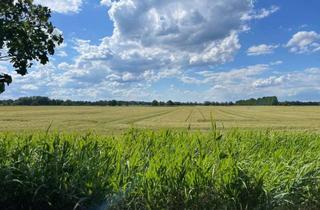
[[26, 34], [264, 101], [45, 101]]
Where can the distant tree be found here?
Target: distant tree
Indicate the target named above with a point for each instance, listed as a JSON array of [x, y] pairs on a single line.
[[207, 103], [68, 103], [26, 34], [113, 103], [161, 103], [265, 101], [170, 103], [274, 100], [155, 103]]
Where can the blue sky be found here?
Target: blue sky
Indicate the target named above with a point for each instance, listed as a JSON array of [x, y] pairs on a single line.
[[182, 50]]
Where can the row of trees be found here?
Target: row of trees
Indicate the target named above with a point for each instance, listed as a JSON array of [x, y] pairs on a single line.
[[45, 101], [265, 101]]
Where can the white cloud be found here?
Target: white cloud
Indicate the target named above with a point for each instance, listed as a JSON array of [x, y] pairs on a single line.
[[62, 53], [218, 52], [263, 13], [262, 49], [156, 36], [28, 87], [60, 50], [106, 2], [313, 71], [152, 40], [304, 42], [255, 81], [62, 6], [297, 85], [152, 35], [181, 23], [271, 81], [238, 83], [227, 85], [275, 63], [234, 76]]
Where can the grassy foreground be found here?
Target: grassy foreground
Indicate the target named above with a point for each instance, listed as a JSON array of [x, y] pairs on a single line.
[[166, 169]]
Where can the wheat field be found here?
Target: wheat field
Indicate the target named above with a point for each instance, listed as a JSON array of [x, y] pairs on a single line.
[[109, 120]]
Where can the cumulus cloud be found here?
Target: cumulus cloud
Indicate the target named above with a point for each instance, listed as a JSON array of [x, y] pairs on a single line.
[[152, 35], [152, 40], [156, 35], [62, 6], [255, 81], [217, 52], [159, 39], [233, 76], [181, 23], [262, 49], [296, 85], [226, 85], [217, 85], [304, 42]]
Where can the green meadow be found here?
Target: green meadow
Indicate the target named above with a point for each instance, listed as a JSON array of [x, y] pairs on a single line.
[[164, 169]]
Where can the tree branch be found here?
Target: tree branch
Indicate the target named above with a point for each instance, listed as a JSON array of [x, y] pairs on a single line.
[[5, 58]]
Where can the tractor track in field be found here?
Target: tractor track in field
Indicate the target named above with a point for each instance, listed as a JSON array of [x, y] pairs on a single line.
[[141, 118], [163, 115], [189, 116], [237, 115], [201, 113]]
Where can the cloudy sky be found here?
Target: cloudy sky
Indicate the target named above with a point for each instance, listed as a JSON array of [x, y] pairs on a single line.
[[183, 50]]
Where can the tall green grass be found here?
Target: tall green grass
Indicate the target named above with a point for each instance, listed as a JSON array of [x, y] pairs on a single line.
[[167, 169]]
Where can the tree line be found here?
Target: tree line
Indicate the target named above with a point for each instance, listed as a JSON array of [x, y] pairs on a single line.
[[46, 101]]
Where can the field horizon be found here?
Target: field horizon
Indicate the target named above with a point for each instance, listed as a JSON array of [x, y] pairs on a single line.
[[111, 120]]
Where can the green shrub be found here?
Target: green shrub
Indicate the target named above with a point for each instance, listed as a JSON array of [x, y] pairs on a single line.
[[168, 169]]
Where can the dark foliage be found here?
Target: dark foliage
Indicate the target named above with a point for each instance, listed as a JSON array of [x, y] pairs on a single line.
[[265, 101], [45, 101], [26, 34]]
